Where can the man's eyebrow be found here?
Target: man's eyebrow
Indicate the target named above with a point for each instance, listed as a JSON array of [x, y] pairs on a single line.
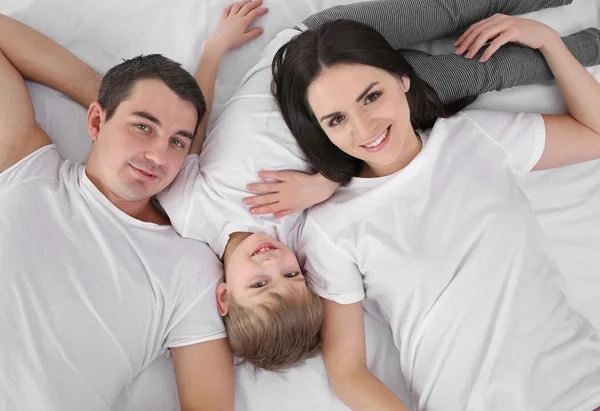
[[366, 91], [147, 116], [153, 119]]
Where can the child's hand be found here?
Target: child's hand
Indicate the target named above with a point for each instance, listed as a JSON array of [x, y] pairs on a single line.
[[294, 191], [232, 31], [501, 29]]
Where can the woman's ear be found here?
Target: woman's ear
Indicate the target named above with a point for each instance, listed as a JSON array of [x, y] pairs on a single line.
[[222, 303], [405, 83]]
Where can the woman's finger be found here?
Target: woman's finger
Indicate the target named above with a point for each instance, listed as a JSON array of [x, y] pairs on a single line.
[[472, 28], [495, 45], [484, 38], [473, 36]]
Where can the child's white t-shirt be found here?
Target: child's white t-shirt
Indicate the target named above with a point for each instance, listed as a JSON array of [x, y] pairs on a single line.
[[453, 257], [205, 202], [89, 296]]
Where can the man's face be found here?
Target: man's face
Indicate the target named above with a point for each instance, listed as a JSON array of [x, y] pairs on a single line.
[[140, 149]]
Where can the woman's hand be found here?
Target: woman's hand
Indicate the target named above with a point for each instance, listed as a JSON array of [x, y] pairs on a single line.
[[232, 31], [292, 192], [501, 29]]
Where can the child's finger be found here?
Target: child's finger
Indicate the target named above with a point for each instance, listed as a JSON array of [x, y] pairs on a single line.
[[249, 6], [236, 7], [256, 13], [283, 213], [252, 34], [261, 199], [226, 12], [263, 187], [275, 175], [266, 209]]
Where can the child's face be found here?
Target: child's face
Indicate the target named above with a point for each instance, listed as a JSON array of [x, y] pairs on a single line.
[[257, 267]]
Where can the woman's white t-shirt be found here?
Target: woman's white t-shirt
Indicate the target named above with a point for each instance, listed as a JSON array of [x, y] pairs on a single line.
[[452, 255]]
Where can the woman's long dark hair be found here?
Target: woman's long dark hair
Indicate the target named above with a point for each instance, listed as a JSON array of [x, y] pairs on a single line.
[[297, 64]]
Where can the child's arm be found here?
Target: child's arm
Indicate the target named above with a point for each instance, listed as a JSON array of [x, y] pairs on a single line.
[[231, 32], [292, 191], [344, 354], [570, 138]]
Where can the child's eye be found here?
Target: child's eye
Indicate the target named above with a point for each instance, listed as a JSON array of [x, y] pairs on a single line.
[[336, 120], [372, 97], [259, 284], [290, 275]]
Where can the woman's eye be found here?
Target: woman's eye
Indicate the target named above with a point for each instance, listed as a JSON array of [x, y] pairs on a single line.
[[143, 127], [177, 142], [259, 284], [290, 275], [336, 120], [372, 97]]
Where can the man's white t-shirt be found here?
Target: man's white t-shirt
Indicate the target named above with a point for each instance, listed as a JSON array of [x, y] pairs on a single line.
[[453, 257], [89, 296]]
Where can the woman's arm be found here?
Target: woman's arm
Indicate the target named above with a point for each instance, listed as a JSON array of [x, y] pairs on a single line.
[[344, 354], [570, 138], [231, 32]]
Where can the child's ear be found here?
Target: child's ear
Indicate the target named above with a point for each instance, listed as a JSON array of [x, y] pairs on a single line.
[[222, 299]]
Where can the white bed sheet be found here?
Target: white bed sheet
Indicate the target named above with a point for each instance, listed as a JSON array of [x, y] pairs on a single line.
[[101, 33]]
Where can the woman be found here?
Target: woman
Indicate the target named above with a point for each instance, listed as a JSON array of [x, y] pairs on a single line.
[[433, 226]]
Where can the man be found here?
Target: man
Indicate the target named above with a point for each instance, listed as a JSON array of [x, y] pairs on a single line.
[[95, 282]]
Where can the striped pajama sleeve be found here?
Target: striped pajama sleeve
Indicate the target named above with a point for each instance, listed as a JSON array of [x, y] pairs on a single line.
[[407, 22], [402, 23]]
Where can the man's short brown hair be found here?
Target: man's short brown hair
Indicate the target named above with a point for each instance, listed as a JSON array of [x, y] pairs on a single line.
[[276, 335]]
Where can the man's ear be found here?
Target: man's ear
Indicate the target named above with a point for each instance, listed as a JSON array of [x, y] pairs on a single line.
[[95, 119], [222, 304]]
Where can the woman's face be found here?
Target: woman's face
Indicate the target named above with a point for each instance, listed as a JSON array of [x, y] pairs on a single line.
[[364, 112]]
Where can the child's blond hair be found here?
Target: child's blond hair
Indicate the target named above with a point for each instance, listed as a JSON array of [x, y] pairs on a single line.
[[276, 335]]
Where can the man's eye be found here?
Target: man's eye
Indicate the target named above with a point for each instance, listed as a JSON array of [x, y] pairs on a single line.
[[177, 142], [290, 275], [259, 284], [336, 120], [372, 97], [143, 127]]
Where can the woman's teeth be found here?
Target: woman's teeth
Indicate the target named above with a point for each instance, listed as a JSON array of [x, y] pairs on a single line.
[[379, 140]]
